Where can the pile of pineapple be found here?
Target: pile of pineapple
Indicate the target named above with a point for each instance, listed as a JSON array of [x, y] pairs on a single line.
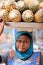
[[22, 10]]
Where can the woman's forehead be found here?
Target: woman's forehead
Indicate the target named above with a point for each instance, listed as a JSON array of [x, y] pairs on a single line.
[[23, 37]]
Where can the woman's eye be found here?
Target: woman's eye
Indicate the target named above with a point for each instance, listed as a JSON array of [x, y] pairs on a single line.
[[19, 41], [25, 41]]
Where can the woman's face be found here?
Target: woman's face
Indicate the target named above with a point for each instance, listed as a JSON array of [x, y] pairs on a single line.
[[23, 43]]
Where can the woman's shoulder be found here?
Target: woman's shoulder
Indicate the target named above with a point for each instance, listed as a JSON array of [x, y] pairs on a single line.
[[34, 55]]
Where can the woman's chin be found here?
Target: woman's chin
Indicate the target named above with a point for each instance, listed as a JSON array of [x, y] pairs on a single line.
[[21, 50]]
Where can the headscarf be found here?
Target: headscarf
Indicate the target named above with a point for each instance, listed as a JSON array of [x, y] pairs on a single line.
[[28, 53]]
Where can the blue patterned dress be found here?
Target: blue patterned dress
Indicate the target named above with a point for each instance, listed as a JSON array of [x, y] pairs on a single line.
[[30, 61]]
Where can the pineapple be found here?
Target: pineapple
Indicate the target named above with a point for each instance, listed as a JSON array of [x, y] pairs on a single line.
[[21, 6], [33, 5], [4, 15], [38, 17], [9, 5], [27, 1], [41, 5], [15, 16], [1, 5], [27, 16], [40, 0]]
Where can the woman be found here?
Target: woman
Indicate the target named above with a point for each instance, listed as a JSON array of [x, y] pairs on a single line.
[[2, 37], [23, 50]]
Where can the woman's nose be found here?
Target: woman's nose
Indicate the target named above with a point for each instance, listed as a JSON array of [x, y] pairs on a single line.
[[22, 43]]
